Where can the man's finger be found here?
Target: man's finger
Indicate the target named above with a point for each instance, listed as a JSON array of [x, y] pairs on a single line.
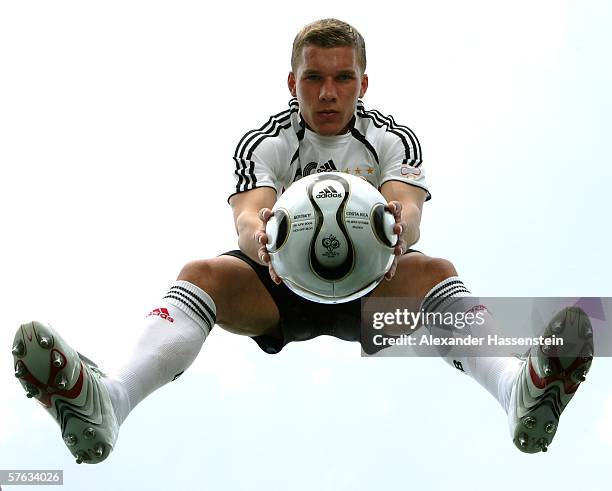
[[263, 255], [262, 238], [399, 248], [275, 278], [265, 214], [395, 207]]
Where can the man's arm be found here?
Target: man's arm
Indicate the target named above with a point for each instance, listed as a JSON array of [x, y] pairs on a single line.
[[406, 204], [247, 220]]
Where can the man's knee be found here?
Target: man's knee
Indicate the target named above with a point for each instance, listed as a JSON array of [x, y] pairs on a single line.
[[437, 269], [199, 272]]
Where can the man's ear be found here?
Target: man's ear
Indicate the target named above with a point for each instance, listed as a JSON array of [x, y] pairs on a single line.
[[364, 85], [291, 84]]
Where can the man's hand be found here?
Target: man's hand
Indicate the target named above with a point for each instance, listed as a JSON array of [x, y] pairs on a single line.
[[406, 204], [262, 239], [399, 228]]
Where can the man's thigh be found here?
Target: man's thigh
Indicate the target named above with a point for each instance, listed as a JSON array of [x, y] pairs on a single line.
[[415, 276], [243, 304]]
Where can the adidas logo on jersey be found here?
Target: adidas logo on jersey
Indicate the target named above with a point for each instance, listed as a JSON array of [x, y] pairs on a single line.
[[161, 312], [328, 192], [313, 167]]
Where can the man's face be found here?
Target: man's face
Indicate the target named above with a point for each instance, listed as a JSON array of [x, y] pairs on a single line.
[[327, 83]]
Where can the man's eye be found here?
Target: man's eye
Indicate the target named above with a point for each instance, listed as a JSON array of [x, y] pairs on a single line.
[[345, 77], [312, 77]]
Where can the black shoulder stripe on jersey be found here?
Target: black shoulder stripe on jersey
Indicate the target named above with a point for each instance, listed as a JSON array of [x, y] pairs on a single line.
[[248, 143], [245, 182], [362, 139], [276, 132], [243, 179], [380, 121], [380, 124], [411, 136], [292, 105], [250, 181], [268, 126], [244, 142], [240, 170]]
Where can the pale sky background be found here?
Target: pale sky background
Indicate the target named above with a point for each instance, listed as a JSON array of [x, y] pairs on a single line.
[[118, 121]]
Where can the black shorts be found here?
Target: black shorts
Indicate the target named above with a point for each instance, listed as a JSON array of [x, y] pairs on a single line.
[[301, 319]]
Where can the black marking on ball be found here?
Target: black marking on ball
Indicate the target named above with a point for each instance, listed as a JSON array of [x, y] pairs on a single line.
[[378, 223], [283, 229], [338, 272]]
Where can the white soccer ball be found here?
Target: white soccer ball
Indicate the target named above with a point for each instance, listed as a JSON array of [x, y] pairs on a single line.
[[330, 238]]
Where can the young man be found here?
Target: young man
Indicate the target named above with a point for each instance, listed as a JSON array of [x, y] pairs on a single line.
[[325, 128]]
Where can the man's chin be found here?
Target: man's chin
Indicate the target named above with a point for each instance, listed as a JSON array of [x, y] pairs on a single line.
[[330, 130]]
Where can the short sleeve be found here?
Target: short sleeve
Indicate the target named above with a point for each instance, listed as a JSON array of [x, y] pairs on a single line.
[[259, 167], [400, 160]]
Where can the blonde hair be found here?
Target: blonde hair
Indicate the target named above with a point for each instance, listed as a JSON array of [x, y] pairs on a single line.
[[328, 33]]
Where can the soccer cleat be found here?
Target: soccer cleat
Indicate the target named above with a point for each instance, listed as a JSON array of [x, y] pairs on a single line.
[[549, 379], [69, 386]]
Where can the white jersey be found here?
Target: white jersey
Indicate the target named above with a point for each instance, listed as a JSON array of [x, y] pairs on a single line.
[[283, 150]]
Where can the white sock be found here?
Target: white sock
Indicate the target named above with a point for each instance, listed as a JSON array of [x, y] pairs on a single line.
[[496, 374], [171, 339]]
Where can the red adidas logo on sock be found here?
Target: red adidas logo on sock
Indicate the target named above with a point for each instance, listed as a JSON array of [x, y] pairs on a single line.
[[161, 312]]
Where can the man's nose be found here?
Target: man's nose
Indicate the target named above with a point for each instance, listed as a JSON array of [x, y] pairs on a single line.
[[328, 91]]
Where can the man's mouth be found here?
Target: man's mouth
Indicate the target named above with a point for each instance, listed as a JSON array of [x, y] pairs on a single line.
[[327, 115]]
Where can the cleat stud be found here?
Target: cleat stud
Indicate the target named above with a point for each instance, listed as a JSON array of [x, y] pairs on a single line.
[[547, 370], [70, 440], [62, 381], [32, 391], [18, 348], [20, 370], [550, 427], [89, 433], [45, 342], [543, 444], [57, 360], [582, 376], [82, 456], [99, 450], [523, 440], [529, 422]]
